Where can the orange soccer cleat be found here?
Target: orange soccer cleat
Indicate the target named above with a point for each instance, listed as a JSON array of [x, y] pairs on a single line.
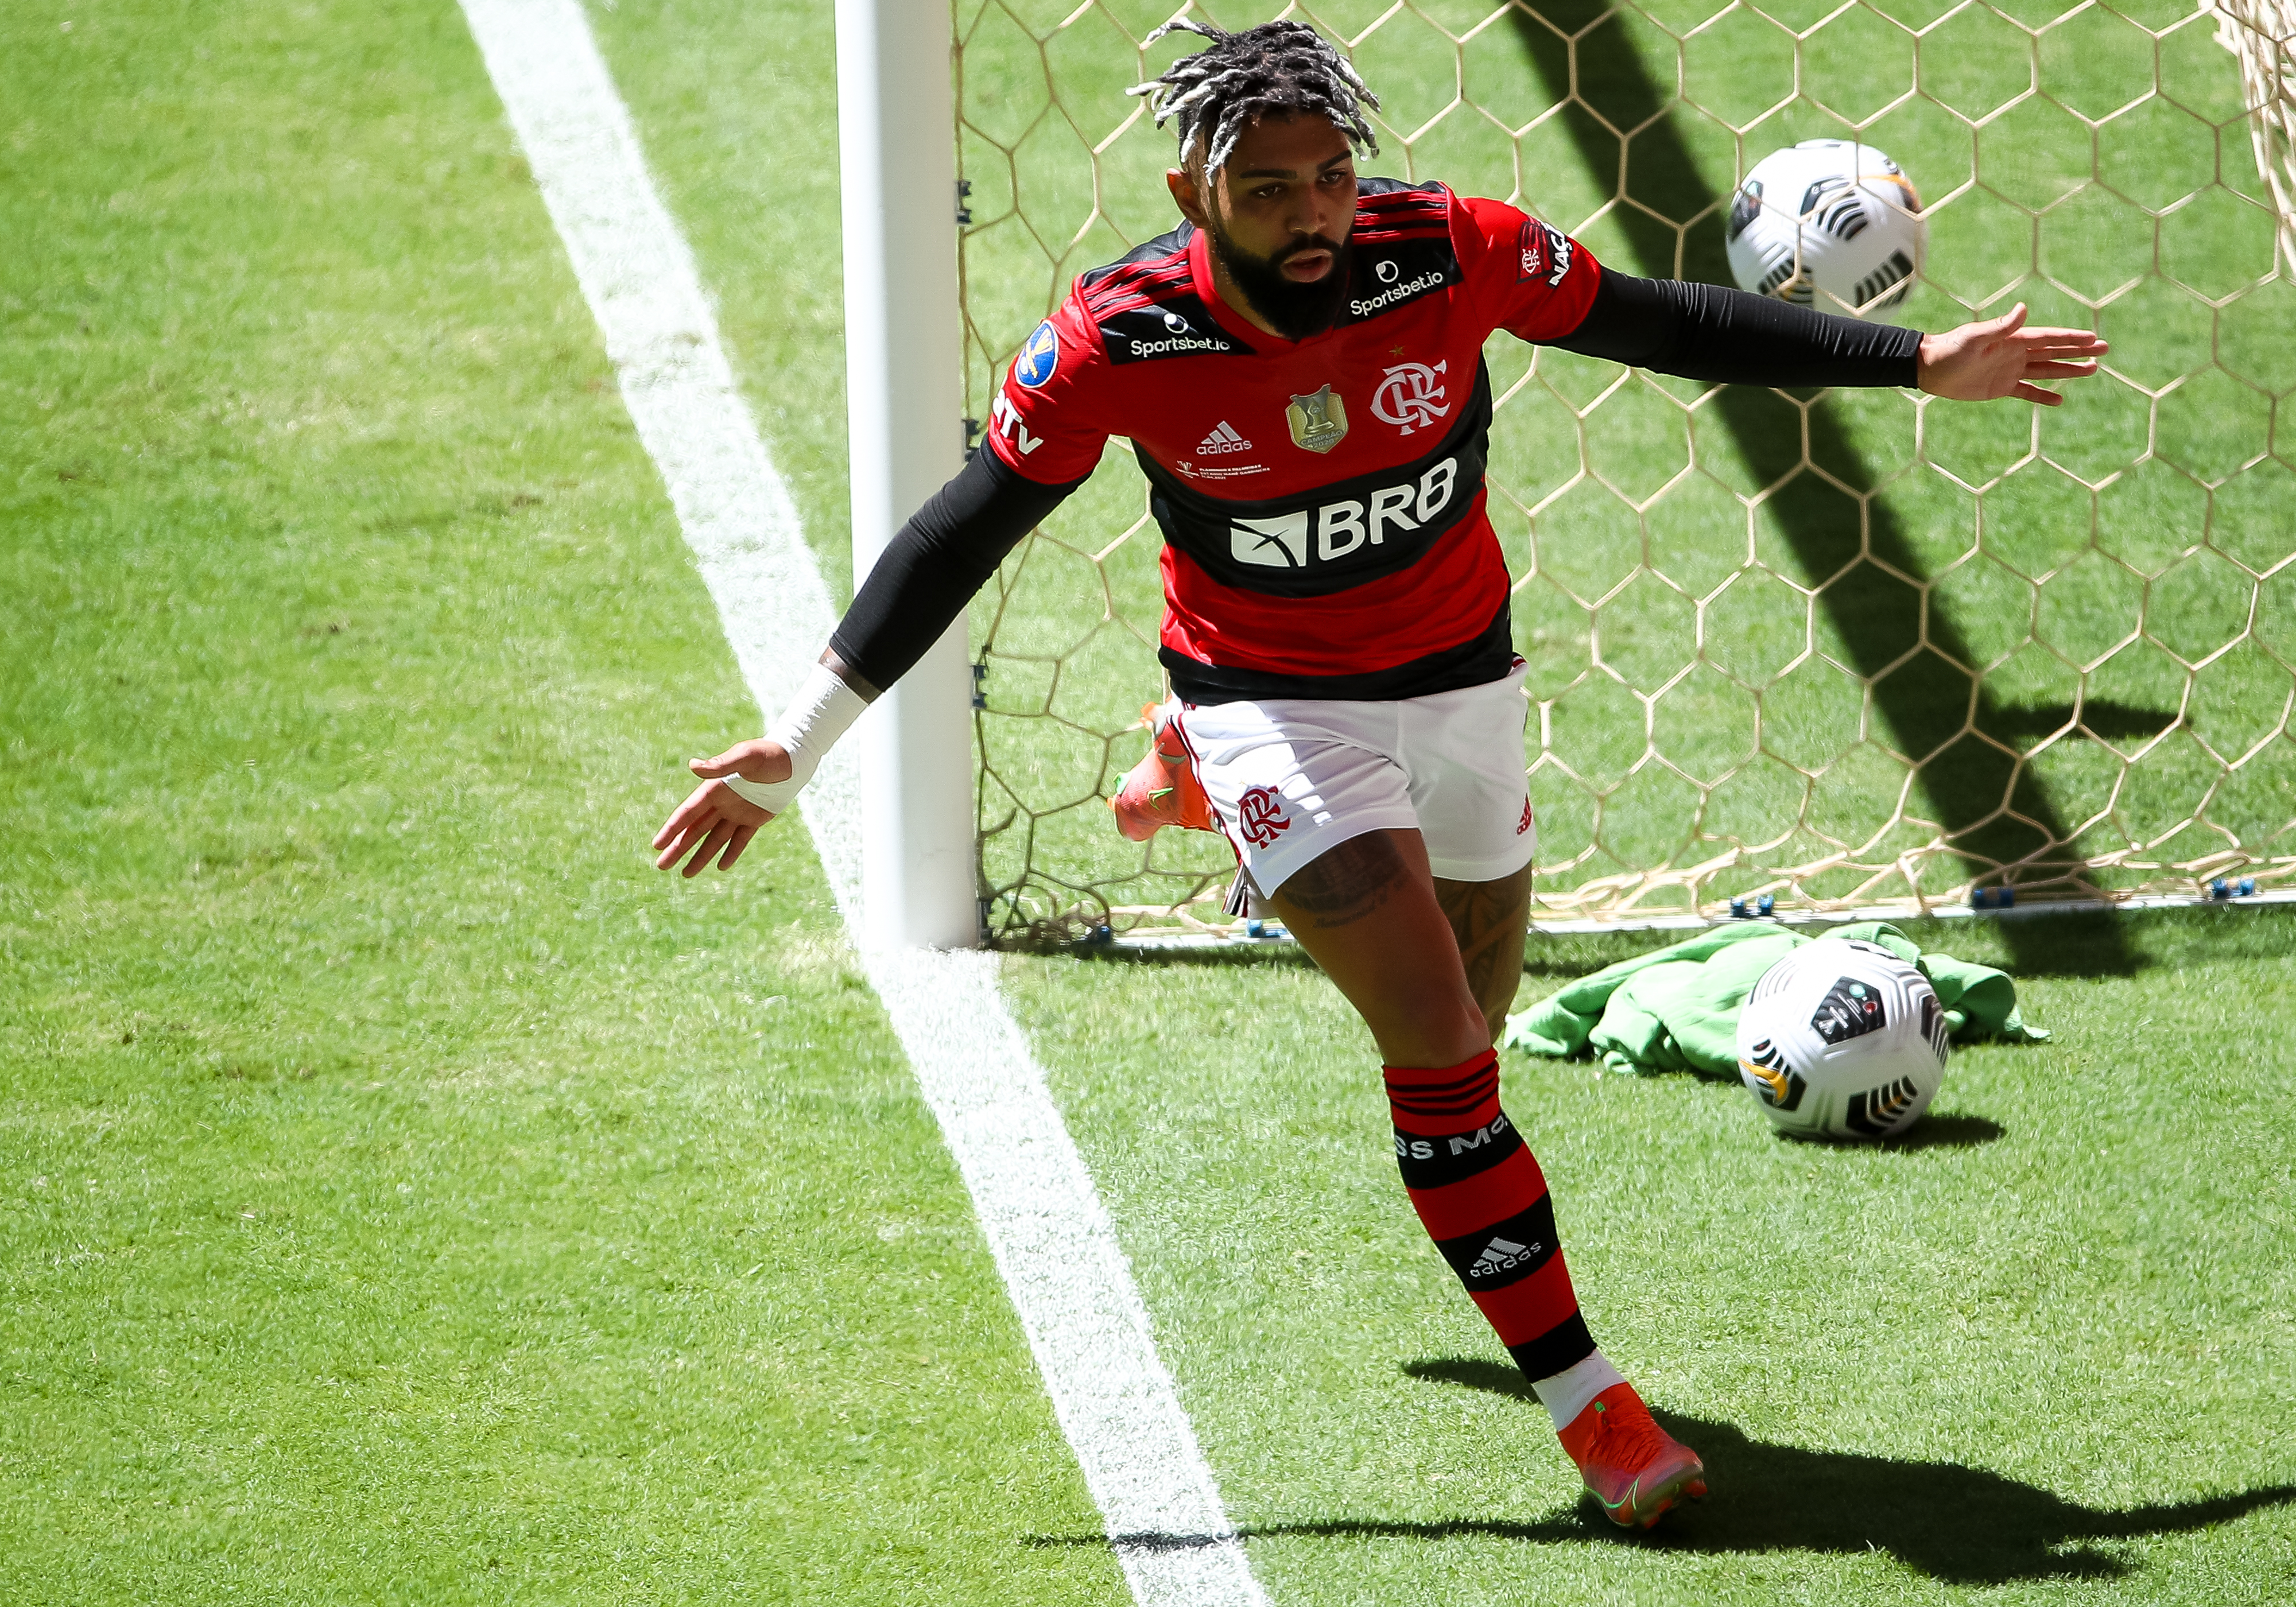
[[1635, 1469], [1161, 790]]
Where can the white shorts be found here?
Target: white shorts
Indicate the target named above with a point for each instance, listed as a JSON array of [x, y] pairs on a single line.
[[1291, 778]]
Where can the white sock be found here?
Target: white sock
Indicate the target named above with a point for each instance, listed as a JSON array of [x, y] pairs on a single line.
[[1568, 1392]]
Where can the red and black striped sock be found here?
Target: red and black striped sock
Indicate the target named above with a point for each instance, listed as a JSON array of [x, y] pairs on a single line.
[[1483, 1200]]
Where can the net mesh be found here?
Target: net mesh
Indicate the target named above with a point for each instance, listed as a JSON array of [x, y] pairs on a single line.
[[2261, 35], [1847, 650]]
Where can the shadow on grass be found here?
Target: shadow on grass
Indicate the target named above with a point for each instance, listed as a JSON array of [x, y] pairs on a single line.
[[1959, 1525], [1992, 807], [1938, 1133], [1244, 952], [2067, 944], [2029, 941], [1566, 955]]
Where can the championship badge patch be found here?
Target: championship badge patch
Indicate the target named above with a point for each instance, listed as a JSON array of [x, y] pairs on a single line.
[[1318, 422]]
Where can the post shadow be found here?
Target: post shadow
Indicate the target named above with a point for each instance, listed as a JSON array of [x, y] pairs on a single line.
[[1958, 1525], [1878, 617]]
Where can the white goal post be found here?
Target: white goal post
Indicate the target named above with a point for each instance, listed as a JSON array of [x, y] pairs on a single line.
[[905, 405]]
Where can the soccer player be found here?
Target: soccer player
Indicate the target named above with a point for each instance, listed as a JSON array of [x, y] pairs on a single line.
[[1299, 368]]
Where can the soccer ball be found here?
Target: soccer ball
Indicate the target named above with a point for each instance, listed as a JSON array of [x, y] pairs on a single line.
[[1829, 224], [1842, 1039]]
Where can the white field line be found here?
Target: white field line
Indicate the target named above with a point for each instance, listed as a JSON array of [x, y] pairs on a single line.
[[1050, 1235]]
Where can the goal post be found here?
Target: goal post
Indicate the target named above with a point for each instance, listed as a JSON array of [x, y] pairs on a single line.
[[904, 404]]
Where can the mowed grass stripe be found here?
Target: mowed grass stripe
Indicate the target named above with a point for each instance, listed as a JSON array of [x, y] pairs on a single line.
[[1052, 1241], [406, 1195]]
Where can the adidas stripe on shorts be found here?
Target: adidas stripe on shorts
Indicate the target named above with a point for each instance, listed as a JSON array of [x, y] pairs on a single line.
[[1291, 778]]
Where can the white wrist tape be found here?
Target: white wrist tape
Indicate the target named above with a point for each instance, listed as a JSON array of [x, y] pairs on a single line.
[[824, 709]]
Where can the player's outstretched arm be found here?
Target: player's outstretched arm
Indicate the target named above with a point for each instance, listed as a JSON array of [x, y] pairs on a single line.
[[928, 573], [1706, 331], [2001, 357]]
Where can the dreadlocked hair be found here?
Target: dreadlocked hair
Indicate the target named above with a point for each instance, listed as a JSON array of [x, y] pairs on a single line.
[[1275, 70]]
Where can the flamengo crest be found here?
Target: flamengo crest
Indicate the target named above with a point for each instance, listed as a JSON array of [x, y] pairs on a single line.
[[1410, 396], [1318, 422], [1259, 815]]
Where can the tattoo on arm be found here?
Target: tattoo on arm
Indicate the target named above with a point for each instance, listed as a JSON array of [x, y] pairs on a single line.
[[1349, 882]]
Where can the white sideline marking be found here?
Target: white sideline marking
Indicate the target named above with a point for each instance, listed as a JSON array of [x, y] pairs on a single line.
[[1051, 1236]]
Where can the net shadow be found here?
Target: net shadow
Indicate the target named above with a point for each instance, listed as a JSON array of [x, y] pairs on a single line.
[[1936, 711]]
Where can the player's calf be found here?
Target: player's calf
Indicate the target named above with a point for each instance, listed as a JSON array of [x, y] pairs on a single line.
[[1480, 1193]]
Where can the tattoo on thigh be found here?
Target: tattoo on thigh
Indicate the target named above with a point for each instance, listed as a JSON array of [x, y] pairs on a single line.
[[1352, 881], [1487, 918]]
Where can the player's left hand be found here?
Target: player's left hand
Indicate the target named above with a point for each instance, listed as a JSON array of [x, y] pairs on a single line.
[[715, 822], [2001, 357]]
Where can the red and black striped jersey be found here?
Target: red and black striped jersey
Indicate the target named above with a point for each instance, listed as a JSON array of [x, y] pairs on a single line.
[[1322, 501]]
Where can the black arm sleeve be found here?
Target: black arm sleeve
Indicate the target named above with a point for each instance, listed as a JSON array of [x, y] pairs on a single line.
[[929, 570], [1703, 331]]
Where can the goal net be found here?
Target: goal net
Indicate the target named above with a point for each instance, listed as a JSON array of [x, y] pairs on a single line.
[[1849, 650]]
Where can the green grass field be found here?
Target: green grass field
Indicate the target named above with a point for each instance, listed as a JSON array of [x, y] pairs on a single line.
[[406, 1195]]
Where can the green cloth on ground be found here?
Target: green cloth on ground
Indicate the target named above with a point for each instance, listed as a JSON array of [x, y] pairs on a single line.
[[1676, 1009]]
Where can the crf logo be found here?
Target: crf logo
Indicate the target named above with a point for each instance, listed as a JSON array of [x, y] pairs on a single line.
[[1545, 248], [1533, 245], [1522, 826], [1259, 815], [1411, 396]]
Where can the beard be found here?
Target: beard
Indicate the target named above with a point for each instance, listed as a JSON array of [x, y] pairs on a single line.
[[1297, 310]]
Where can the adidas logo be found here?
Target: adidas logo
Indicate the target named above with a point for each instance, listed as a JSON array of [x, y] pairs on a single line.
[[1223, 438], [1501, 1255]]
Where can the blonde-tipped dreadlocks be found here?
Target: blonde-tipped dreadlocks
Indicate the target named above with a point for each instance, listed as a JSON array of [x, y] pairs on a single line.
[[1278, 69]]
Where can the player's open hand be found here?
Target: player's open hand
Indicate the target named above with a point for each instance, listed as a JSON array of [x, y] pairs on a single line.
[[715, 822], [2001, 357]]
